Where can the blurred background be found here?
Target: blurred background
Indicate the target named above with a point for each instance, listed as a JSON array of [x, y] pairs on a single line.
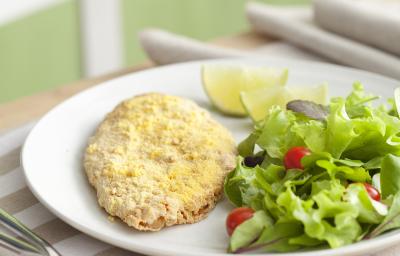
[[48, 43]]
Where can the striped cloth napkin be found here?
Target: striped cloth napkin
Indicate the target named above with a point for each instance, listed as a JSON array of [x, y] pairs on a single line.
[[16, 198]]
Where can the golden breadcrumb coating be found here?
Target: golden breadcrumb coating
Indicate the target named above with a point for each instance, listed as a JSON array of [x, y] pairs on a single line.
[[159, 160]]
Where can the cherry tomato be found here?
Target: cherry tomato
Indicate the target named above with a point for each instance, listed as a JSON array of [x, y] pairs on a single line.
[[236, 217], [372, 192], [293, 156]]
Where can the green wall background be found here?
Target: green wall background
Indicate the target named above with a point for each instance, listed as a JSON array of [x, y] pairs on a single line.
[[42, 51]]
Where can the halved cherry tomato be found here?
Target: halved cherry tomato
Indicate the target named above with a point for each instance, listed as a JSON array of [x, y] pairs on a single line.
[[372, 192], [293, 156], [236, 217]]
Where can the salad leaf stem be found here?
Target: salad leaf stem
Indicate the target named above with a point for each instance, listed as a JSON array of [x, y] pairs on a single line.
[[259, 246]]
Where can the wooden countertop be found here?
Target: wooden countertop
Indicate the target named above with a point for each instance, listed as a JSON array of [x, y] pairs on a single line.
[[26, 109]]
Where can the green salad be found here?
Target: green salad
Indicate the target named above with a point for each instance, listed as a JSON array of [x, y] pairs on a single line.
[[314, 176]]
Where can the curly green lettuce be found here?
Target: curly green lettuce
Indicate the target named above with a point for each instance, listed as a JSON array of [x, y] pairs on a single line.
[[325, 204]]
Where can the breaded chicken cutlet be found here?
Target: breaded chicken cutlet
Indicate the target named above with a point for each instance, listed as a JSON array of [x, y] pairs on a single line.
[[159, 160]]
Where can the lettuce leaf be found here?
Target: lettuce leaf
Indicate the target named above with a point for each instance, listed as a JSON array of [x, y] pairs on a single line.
[[325, 202], [358, 197], [355, 102], [247, 186], [277, 238], [305, 241], [237, 182], [339, 130], [276, 136], [324, 216], [249, 230], [390, 175], [246, 147], [313, 134], [376, 136], [356, 174], [392, 219]]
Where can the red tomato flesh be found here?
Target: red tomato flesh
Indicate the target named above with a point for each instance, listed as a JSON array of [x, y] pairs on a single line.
[[293, 156], [372, 192], [236, 217]]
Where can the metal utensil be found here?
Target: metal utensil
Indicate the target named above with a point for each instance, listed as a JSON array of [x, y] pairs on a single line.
[[26, 242]]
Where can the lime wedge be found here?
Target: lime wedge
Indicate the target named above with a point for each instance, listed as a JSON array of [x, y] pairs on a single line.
[[317, 94], [223, 84], [258, 102]]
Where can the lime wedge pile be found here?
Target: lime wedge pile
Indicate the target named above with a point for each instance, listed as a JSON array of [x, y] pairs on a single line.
[[241, 91], [223, 84]]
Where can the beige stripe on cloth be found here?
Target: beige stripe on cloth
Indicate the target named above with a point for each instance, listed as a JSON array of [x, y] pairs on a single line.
[[10, 161], [55, 230], [20, 201]]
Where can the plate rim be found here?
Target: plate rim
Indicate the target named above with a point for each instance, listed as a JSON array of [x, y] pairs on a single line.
[[372, 245]]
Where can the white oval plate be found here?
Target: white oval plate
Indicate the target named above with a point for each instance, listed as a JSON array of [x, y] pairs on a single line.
[[52, 155]]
